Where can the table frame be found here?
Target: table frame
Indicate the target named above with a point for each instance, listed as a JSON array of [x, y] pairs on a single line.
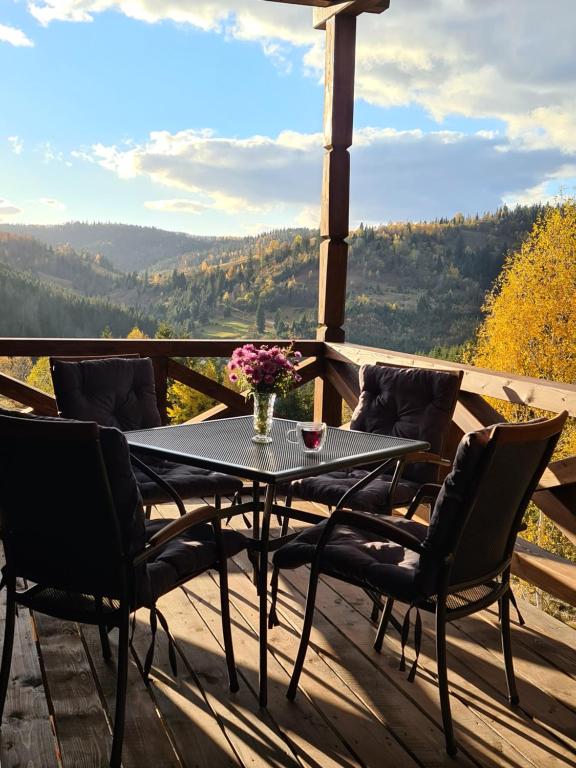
[[150, 441]]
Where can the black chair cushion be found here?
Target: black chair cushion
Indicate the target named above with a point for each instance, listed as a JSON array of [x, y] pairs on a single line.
[[359, 556], [120, 392], [123, 486], [125, 490], [329, 488], [184, 557], [114, 392], [414, 403], [188, 482]]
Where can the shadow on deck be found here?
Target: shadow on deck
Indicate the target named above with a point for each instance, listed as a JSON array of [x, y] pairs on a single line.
[[355, 708]]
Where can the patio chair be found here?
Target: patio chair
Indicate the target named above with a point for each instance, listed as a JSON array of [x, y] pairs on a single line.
[[415, 403], [78, 533], [453, 567], [120, 392]]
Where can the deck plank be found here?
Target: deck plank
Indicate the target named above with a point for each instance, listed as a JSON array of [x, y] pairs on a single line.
[[309, 735], [355, 707], [477, 678], [418, 734], [385, 712], [81, 725], [250, 730], [27, 732], [146, 742], [190, 720]]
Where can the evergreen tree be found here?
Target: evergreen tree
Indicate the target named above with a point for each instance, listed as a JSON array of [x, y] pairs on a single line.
[[260, 318]]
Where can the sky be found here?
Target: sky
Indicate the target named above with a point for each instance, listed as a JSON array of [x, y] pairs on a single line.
[[205, 116]]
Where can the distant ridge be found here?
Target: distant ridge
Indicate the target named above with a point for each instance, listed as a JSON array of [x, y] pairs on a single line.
[[127, 247]]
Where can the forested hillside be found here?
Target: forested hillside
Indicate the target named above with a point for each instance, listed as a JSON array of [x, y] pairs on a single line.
[[84, 273], [411, 287], [128, 247], [30, 308]]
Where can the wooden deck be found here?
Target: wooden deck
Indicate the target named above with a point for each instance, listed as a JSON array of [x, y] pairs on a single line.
[[355, 707]]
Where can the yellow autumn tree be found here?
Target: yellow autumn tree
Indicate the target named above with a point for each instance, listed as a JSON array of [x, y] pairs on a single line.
[[184, 402], [530, 327], [530, 315]]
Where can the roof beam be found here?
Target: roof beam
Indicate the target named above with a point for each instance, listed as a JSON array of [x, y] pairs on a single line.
[[320, 15]]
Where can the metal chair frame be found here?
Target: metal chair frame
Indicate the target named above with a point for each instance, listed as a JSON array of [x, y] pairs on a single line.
[[499, 578], [110, 613]]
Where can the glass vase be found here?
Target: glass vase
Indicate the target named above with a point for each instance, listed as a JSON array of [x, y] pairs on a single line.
[[263, 413]]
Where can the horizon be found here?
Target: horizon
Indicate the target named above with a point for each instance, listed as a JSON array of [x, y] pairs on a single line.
[[206, 119], [468, 218]]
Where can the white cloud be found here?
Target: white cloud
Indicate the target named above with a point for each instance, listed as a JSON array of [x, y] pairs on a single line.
[[243, 19], [233, 174], [15, 37], [395, 174], [16, 144], [309, 216], [8, 209], [512, 61], [176, 205], [50, 202]]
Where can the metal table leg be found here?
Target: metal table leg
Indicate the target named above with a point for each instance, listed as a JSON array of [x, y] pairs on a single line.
[[263, 594]]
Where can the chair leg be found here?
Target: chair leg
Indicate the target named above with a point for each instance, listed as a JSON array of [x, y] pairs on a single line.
[[305, 637], [376, 608], [226, 629], [103, 632], [121, 688], [273, 616], [504, 605], [104, 642], [383, 626], [8, 642], [148, 511], [443, 678]]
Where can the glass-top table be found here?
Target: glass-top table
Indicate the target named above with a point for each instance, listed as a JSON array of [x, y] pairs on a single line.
[[225, 445]]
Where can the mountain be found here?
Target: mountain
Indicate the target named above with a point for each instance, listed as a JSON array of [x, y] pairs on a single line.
[[61, 265], [414, 287], [29, 307], [411, 287], [128, 247]]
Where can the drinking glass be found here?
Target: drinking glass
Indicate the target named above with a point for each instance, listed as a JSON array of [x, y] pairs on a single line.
[[310, 435]]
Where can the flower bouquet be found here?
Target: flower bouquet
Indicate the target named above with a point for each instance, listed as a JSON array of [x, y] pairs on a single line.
[[263, 373]]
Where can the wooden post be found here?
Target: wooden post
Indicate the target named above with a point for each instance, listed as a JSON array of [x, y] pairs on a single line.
[[334, 216]]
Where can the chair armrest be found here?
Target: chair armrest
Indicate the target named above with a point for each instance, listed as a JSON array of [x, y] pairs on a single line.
[[427, 457], [175, 527], [426, 492], [160, 482], [379, 525]]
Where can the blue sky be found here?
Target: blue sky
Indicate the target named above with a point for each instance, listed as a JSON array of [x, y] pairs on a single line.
[[206, 116]]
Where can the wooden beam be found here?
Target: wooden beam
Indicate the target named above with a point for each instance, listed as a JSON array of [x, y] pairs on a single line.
[[20, 347], [160, 365], [220, 411], [562, 472], [555, 509], [209, 387], [536, 393], [40, 402], [334, 215], [344, 379], [546, 571], [472, 412], [320, 15], [309, 370]]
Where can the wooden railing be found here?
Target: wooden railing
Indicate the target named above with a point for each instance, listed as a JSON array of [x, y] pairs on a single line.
[[337, 365]]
